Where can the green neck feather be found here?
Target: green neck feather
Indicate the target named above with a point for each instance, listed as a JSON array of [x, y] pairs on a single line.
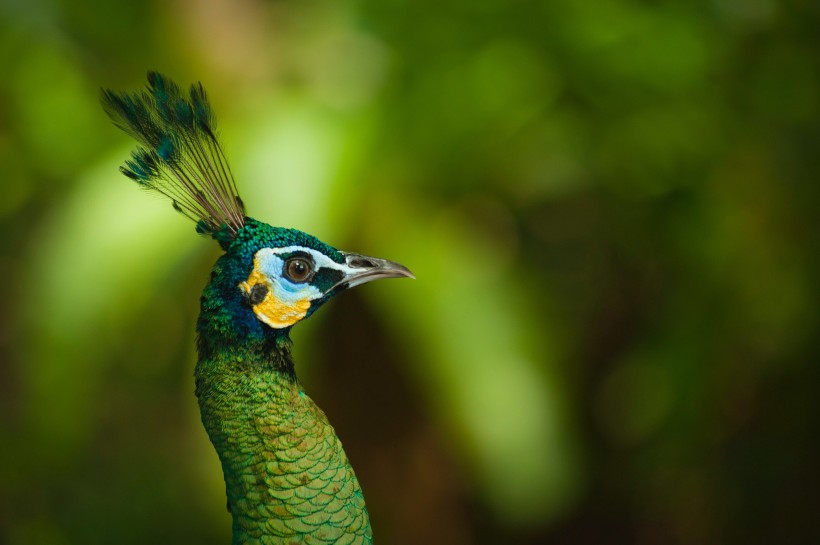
[[287, 477]]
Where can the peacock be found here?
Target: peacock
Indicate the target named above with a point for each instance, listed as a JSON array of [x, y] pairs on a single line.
[[287, 477]]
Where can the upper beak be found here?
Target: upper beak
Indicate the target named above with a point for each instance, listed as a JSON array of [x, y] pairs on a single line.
[[365, 269]]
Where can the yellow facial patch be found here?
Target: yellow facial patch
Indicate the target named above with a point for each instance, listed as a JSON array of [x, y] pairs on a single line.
[[277, 309]]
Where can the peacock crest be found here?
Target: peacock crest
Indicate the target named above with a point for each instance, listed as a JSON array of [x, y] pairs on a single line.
[[179, 154]]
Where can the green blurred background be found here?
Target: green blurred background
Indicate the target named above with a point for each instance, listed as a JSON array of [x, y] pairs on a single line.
[[611, 207]]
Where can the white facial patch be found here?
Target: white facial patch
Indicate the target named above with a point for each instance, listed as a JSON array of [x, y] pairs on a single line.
[[285, 302], [321, 260]]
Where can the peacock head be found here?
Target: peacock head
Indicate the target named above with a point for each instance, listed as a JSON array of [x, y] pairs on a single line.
[[284, 275], [269, 277]]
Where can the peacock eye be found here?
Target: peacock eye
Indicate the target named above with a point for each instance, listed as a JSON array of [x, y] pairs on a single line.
[[297, 269]]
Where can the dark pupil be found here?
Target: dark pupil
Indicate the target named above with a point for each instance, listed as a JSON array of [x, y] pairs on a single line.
[[297, 269]]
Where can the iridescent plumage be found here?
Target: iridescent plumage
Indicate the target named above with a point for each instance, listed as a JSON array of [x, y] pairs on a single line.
[[287, 477], [179, 153]]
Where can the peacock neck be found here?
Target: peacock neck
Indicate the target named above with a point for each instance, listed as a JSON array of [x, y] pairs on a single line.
[[234, 381], [237, 389], [287, 477], [261, 355]]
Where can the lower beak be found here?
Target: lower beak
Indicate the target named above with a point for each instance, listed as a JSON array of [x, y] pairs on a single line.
[[363, 269]]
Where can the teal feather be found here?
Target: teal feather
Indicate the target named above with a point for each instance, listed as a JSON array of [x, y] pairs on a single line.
[[179, 155]]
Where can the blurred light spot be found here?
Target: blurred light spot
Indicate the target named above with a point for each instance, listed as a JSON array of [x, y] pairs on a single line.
[[289, 158], [93, 262]]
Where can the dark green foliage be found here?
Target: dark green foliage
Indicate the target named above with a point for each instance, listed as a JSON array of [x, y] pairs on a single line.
[[639, 180], [180, 155]]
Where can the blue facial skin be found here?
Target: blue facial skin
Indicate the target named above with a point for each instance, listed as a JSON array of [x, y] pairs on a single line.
[[272, 266]]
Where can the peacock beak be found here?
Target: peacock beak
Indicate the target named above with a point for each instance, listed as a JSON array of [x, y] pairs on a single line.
[[362, 269]]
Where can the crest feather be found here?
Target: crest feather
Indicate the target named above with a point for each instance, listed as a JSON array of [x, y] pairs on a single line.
[[179, 154]]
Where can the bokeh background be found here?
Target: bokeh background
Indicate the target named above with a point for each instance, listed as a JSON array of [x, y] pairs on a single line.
[[611, 207]]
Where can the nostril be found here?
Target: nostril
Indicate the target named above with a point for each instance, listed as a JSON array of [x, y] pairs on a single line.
[[361, 263]]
